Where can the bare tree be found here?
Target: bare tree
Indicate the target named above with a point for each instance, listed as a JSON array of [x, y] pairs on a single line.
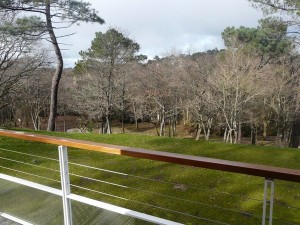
[[284, 98], [238, 81], [54, 12], [162, 86], [19, 57], [36, 92], [200, 100], [290, 10]]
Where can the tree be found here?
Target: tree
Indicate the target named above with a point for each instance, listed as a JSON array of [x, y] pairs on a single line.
[[200, 93], [268, 41], [28, 100], [35, 94], [100, 76], [161, 83], [68, 12], [292, 9], [271, 6], [19, 56], [237, 83]]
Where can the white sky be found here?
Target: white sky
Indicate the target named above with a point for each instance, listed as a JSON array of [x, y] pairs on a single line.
[[160, 26]]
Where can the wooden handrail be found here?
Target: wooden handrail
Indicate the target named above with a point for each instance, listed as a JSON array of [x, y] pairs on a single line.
[[202, 162]]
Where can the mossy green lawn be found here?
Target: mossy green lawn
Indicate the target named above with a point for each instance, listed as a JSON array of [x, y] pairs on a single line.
[[201, 193]]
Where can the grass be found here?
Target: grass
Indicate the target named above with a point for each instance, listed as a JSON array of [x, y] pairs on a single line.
[[200, 188]]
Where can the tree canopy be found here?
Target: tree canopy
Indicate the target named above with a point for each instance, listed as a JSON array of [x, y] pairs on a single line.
[[111, 46], [269, 39], [101, 77]]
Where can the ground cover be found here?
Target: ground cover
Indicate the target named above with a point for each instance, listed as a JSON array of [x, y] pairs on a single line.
[[151, 186]]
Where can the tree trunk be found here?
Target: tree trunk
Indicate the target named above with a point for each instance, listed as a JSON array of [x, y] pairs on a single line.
[[170, 128], [204, 129], [229, 136], [278, 136], [198, 132], [107, 126], [209, 124], [162, 126], [225, 135], [239, 132], [156, 128], [265, 124], [186, 116], [123, 128], [35, 121], [39, 123], [101, 126], [235, 136], [282, 136], [235, 132], [295, 135], [58, 71], [207, 134], [123, 105], [135, 116], [253, 135], [174, 127], [137, 125]]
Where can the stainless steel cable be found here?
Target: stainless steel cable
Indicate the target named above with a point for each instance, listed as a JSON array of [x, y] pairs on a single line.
[[30, 164], [154, 206], [30, 174], [167, 196], [129, 175], [165, 182], [101, 181], [99, 192], [7, 150]]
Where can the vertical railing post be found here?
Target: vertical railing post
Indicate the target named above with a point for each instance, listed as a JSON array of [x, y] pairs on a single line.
[[268, 182], [65, 184]]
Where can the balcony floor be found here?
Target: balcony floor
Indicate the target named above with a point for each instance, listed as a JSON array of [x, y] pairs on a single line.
[[4, 221]]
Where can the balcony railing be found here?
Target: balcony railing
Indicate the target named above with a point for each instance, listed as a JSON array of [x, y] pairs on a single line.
[[270, 174]]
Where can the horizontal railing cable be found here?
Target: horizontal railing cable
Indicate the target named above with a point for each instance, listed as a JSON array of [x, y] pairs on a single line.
[[154, 206], [167, 196], [101, 181], [29, 174], [104, 170], [201, 162], [29, 164], [124, 174], [165, 182], [99, 192], [33, 155]]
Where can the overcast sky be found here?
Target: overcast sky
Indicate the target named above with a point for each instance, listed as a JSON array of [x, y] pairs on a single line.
[[160, 26]]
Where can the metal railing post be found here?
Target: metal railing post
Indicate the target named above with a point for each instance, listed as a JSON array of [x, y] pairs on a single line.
[[65, 184], [268, 182]]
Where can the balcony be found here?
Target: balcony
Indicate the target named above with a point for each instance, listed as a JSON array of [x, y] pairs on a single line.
[[45, 189]]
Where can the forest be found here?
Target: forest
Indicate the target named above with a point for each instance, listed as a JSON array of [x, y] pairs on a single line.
[[250, 88]]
